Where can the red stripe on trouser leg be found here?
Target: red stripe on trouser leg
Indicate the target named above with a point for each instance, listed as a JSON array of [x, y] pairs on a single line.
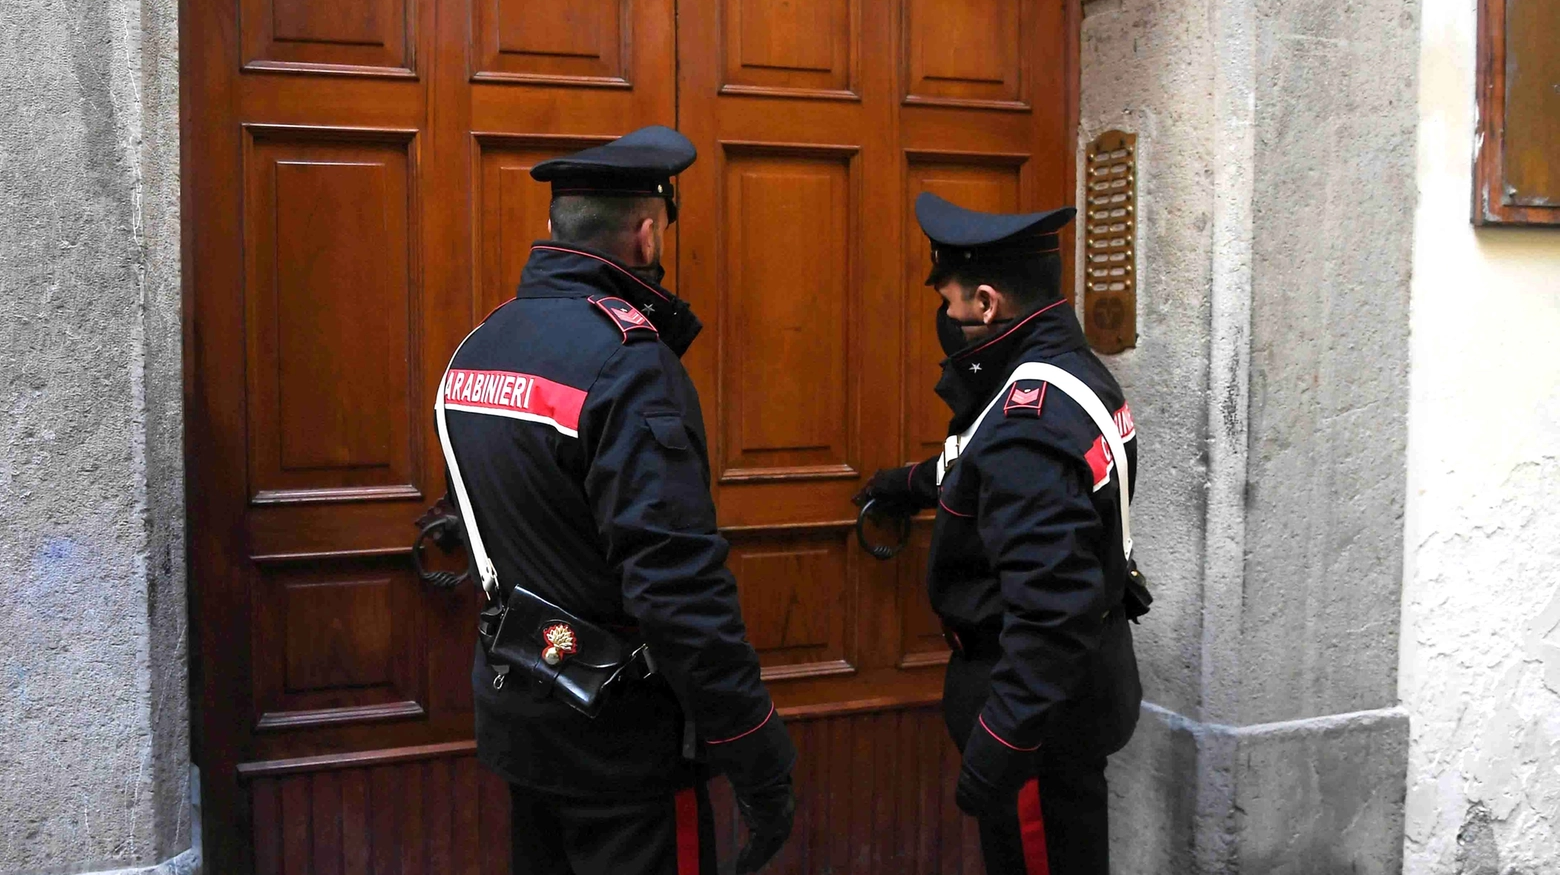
[[687, 832], [1031, 829]]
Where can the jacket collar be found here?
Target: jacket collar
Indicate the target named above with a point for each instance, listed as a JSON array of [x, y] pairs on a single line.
[[557, 270], [568, 270], [973, 374]]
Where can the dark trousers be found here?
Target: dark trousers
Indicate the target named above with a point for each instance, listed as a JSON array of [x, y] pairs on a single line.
[[554, 835], [1057, 827], [1058, 824]]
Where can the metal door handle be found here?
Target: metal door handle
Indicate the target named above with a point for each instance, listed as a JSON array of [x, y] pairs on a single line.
[[441, 525]]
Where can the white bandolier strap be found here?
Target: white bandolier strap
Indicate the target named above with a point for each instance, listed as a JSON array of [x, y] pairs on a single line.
[[1078, 391], [485, 569]]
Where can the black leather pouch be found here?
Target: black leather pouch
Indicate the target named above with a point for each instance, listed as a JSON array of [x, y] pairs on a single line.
[[559, 653]]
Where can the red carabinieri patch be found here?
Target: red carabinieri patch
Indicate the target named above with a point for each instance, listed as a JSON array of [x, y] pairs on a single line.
[[1099, 457], [624, 315], [515, 395], [1025, 399]]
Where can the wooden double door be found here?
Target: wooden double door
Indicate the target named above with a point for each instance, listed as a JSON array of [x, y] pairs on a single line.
[[357, 196]]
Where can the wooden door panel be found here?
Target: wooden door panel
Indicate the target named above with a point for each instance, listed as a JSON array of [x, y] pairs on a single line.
[[338, 36], [329, 288], [565, 42], [784, 411], [337, 642], [799, 599], [969, 53], [795, 48]]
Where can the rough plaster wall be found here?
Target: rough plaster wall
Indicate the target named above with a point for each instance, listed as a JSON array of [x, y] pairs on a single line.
[[1480, 662], [1332, 240], [1145, 68], [92, 688]]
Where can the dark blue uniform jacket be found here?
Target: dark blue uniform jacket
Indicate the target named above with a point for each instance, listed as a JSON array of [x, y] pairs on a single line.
[[1027, 541], [581, 441]]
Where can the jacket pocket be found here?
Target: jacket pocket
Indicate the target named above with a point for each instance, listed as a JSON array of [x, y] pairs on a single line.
[[668, 430]]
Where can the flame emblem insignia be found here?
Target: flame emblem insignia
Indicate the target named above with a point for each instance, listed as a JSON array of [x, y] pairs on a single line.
[[561, 642]]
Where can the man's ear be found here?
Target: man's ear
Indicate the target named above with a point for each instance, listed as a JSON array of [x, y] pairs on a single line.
[[989, 300], [644, 240]]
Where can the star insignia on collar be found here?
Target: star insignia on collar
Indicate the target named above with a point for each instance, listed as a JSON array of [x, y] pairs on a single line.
[[648, 308], [975, 368]]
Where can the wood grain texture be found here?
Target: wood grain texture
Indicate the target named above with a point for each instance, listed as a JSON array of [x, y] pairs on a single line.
[[330, 276], [342, 37], [967, 53], [438, 815], [563, 42], [785, 409], [790, 48]]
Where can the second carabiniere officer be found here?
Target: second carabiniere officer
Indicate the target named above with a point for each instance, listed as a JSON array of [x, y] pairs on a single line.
[[1029, 561]]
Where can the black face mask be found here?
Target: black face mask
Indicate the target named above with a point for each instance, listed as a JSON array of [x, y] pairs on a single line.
[[950, 331]]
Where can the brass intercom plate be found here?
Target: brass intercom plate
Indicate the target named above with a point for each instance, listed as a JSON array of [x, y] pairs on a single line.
[[1110, 242]]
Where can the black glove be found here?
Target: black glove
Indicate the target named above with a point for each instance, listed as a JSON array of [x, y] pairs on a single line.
[[758, 765], [992, 773], [768, 812], [901, 491]]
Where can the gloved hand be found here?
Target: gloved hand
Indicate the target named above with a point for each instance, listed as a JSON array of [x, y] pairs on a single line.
[[769, 813], [758, 764], [900, 491], [992, 773]]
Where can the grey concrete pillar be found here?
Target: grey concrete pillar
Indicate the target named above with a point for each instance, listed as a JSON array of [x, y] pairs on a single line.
[[1276, 199], [94, 718]]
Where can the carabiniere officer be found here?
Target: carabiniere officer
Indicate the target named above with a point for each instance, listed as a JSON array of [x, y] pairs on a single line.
[[1026, 568], [582, 446]]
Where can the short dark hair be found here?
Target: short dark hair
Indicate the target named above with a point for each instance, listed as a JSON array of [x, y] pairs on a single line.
[[1028, 281], [596, 219]]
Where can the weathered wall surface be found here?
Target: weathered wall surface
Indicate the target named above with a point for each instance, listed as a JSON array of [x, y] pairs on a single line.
[[1166, 375], [1276, 177], [1333, 198], [94, 750], [1480, 665]]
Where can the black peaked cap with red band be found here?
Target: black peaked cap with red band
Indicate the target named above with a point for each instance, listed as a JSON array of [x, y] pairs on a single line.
[[961, 236], [638, 164]]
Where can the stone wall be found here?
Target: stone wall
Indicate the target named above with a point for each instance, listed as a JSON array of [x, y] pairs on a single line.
[[1276, 177], [1480, 667], [94, 744]]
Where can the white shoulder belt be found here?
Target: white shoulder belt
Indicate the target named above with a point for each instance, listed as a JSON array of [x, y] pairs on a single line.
[[1077, 391], [485, 569]]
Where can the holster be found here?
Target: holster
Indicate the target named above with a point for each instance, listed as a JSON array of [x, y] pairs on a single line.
[[557, 652]]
